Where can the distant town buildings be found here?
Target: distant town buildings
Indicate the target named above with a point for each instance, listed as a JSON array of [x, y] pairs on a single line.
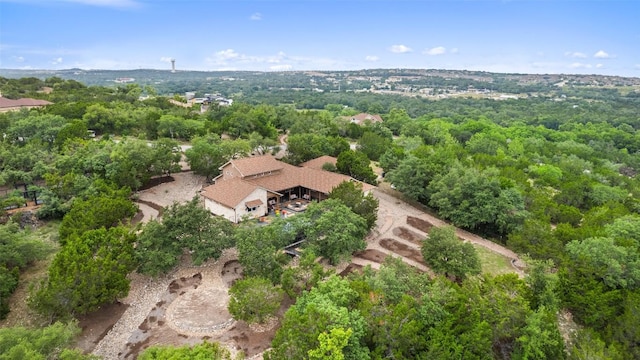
[[207, 100]]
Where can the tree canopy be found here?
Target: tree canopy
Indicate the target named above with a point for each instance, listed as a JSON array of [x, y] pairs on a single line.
[[445, 254]]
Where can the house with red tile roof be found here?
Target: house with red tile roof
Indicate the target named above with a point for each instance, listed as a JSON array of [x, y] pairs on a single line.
[[248, 188], [318, 163], [362, 118], [24, 103]]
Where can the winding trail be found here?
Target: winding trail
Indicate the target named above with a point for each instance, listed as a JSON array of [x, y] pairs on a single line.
[[393, 213]]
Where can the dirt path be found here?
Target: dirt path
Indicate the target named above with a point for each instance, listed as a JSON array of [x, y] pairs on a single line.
[[148, 213], [393, 213]]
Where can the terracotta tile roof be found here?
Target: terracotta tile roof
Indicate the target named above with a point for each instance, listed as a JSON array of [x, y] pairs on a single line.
[[229, 192], [360, 118], [9, 103], [253, 203], [317, 163], [255, 165], [291, 176]]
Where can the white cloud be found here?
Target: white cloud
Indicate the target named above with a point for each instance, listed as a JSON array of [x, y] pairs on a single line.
[[231, 59], [230, 56], [601, 55], [438, 50], [227, 54], [637, 66], [166, 59], [577, 55], [283, 67], [371, 58], [454, 50], [18, 59], [599, 66], [578, 65], [400, 49], [56, 61], [256, 16]]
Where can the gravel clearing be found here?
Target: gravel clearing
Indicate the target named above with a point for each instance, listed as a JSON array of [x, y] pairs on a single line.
[[185, 186]]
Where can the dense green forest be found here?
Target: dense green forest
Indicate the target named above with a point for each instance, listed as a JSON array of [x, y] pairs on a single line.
[[552, 176]]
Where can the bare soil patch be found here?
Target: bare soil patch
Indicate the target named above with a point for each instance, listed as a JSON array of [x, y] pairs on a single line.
[[154, 330], [402, 250], [351, 268], [372, 255], [420, 224], [231, 271], [406, 234], [97, 324]]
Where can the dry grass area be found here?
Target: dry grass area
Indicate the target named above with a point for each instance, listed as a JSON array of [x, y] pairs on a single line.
[[492, 262]]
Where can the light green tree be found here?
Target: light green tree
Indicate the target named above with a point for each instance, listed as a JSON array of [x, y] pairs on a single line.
[[331, 344], [50, 342], [205, 350], [254, 300]]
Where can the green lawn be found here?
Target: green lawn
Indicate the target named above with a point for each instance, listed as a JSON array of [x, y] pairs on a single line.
[[492, 263]]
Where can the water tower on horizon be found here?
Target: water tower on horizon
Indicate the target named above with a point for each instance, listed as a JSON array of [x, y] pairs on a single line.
[[173, 65]]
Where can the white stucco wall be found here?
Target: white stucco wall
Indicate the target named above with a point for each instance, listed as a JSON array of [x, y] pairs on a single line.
[[241, 209], [219, 209], [238, 214]]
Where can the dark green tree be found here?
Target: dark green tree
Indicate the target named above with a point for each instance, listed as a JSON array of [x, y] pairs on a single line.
[[89, 271], [105, 210], [357, 165], [260, 251], [334, 231], [184, 227], [475, 199], [350, 193], [373, 145], [445, 254]]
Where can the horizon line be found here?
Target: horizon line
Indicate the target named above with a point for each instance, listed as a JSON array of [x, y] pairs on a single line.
[[312, 70]]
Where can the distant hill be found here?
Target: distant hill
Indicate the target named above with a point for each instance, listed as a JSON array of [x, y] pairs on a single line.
[[412, 82]]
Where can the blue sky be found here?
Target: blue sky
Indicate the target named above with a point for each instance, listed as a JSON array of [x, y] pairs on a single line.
[[534, 36]]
